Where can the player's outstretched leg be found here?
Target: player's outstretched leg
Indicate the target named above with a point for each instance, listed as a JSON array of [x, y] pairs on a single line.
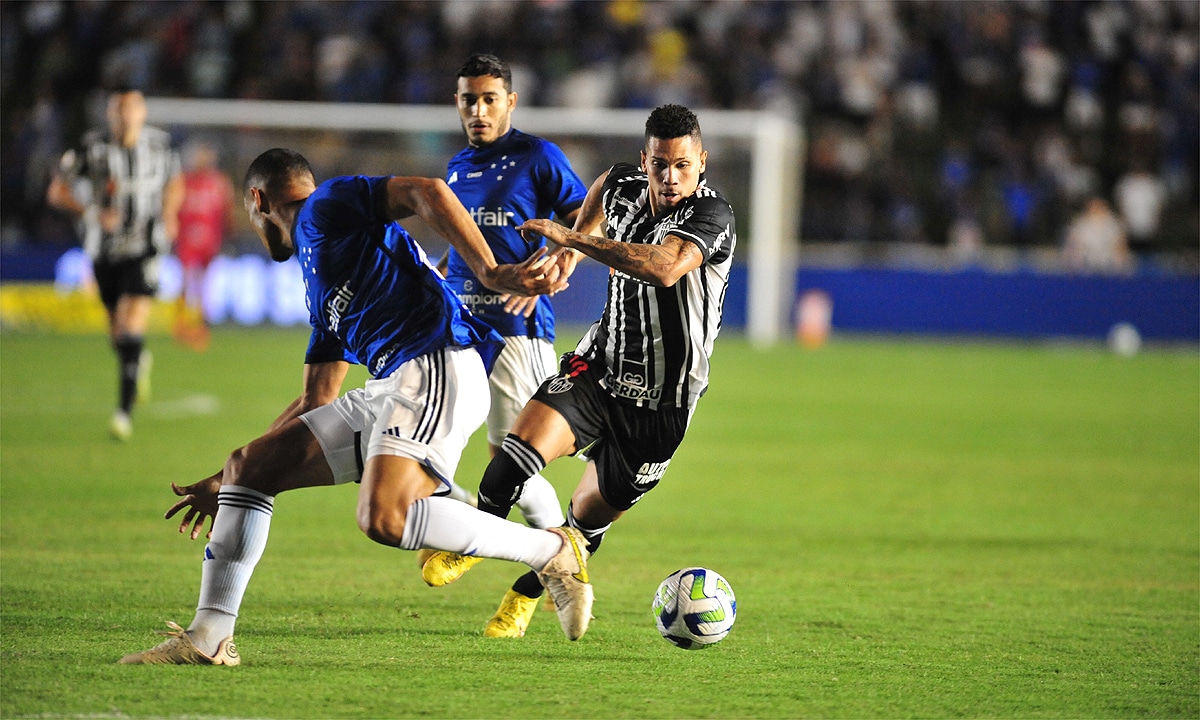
[[178, 649]]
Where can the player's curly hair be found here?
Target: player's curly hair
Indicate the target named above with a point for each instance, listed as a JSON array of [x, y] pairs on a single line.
[[276, 166], [671, 121], [481, 64]]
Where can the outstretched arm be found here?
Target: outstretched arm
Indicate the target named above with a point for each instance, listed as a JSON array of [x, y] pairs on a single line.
[[322, 384], [432, 200], [566, 258], [660, 265]]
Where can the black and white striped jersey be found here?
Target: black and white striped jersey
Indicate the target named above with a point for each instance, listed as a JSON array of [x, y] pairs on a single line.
[[103, 173], [656, 342]]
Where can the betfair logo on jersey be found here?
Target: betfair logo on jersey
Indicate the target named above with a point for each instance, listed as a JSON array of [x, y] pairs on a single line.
[[337, 305], [650, 473], [492, 218]]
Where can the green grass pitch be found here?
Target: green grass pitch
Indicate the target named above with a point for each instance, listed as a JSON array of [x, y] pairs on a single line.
[[913, 529]]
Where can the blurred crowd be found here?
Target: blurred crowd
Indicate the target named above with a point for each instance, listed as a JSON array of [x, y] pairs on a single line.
[[964, 125]]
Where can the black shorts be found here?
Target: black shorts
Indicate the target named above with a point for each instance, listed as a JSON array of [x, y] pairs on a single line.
[[137, 276], [630, 445]]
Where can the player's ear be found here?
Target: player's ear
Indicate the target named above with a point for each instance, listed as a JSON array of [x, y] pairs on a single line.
[[256, 200], [703, 159], [512, 101]]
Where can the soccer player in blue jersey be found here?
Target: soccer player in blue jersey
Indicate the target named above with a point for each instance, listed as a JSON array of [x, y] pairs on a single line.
[[505, 177], [374, 299]]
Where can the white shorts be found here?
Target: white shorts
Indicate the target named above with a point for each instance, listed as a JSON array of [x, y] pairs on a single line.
[[519, 370], [426, 410]]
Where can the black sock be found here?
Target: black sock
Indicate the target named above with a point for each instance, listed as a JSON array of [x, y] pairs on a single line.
[[529, 585], [506, 474], [129, 355]]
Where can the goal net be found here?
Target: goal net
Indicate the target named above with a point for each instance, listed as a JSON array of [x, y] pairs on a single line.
[[754, 159]]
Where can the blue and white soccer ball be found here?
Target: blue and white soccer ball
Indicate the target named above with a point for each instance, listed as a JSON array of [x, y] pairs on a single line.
[[694, 608]]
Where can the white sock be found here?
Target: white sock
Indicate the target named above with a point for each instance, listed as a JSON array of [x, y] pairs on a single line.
[[238, 539], [440, 523], [209, 628], [539, 504]]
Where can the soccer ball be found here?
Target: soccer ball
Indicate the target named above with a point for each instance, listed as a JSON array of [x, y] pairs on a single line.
[[694, 608]]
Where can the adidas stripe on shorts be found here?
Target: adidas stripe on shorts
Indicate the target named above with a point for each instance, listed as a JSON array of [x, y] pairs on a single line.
[[426, 410]]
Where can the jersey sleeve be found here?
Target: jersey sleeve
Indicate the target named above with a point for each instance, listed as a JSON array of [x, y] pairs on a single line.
[[348, 204], [710, 226], [557, 181]]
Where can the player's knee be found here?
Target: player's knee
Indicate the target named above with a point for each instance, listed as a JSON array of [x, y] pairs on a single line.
[[234, 465], [383, 525], [241, 468]]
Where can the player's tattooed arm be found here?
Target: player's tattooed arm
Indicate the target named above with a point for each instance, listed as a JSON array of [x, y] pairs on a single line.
[[660, 265]]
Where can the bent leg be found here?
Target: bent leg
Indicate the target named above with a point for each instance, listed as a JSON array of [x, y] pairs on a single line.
[[540, 434]]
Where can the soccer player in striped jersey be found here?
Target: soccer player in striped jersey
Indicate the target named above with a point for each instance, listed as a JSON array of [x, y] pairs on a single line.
[[624, 398], [505, 177], [125, 188], [375, 300]]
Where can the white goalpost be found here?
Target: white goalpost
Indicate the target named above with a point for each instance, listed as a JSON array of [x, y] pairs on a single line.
[[776, 147]]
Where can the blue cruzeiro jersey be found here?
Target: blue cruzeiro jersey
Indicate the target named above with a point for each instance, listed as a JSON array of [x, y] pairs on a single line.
[[518, 177], [373, 297]]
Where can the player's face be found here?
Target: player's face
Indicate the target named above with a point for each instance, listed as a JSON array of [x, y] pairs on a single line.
[[127, 116], [674, 168], [258, 209], [484, 108]]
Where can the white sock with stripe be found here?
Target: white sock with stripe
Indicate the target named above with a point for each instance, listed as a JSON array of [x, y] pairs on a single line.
[[239, 537], [440, 523], [539, 503]]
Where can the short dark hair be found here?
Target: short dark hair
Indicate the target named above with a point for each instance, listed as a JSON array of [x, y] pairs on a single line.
[[671, 121], [481, 64], [274, 167]]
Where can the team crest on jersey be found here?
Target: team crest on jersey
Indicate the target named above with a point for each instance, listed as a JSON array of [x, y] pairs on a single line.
[[559, 385]]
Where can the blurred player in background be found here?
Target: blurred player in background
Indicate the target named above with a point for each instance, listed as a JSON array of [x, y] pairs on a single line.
[[125, 187], [374, 300], [624, 398], [204, 218], [505, 177]]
